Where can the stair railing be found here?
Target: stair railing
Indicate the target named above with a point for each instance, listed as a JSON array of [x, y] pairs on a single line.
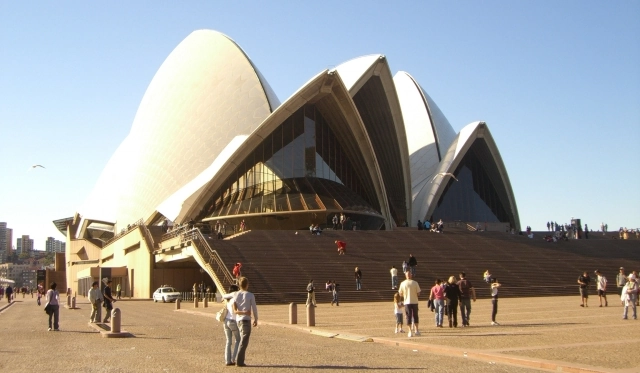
[[212, 260]]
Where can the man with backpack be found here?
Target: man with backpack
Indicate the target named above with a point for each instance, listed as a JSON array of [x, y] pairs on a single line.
[[467, 292]]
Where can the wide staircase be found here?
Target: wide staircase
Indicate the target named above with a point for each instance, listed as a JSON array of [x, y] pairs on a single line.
[[279, 264]]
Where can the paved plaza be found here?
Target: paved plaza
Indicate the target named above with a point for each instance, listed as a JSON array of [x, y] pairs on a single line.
[[536, 334]]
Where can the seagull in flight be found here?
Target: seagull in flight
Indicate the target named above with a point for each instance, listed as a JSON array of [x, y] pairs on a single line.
[[36, 166], [443, 174]]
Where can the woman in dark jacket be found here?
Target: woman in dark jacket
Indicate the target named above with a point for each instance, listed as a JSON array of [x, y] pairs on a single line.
[[452, 295]]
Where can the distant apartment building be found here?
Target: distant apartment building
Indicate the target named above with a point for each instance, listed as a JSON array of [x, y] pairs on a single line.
[[54, 246], [15, 272], [24, 245], [6, 237]]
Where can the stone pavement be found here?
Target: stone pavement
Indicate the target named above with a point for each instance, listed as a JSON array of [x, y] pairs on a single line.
[[536, 334]]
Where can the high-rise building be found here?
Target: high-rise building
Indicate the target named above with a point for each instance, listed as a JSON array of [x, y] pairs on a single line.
[[54, 246], [6, 235], [24, 244]]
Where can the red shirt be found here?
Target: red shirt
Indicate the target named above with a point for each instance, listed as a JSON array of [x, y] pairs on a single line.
[[341, 245]]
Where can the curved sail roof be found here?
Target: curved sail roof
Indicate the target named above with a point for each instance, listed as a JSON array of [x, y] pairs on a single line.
[[205, 94]]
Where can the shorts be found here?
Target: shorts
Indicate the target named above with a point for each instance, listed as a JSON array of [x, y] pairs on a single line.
[[602, 293], [412, 313], [399, 318], [584, 292]]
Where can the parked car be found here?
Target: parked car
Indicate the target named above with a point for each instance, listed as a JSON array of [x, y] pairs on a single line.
[[166, 294]]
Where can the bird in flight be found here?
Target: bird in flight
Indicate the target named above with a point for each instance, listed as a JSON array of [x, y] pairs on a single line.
[[36, 166], [443, 174]]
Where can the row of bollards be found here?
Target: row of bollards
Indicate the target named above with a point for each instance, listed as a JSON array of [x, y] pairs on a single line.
[[311, 314]]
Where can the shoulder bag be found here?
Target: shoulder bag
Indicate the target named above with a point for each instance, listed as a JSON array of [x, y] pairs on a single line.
[[222, 314]]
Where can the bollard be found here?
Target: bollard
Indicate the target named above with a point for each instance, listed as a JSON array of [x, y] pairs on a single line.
[[68, 301], [73, 303], [206, 302], [293, 313], [195, 302], [178, 303], [115, 320], [311, 315]]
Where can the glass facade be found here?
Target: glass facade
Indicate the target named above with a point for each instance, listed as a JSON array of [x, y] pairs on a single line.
[[475, 196], [300, 167]]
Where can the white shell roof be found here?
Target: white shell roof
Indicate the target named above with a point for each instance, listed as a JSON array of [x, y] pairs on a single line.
[[205, 94], [351, 71]]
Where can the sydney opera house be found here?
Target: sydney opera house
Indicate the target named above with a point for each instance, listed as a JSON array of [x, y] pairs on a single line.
[[211, 142]]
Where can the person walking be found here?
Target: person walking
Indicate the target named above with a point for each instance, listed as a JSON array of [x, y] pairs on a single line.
[[398, 307], [53, 301], [467, 292], [311, 294], [9, 293], [118, 291], [230, 327], [342, 247], [584, 282], [358, 276], [95, 298], [108, 301], [412, 263], [335, 291], [494, 300], [629, 297], [409, 291], [244, 307], [601, 283], [621, 280], [437, 297], [394, 278], [452, 296]]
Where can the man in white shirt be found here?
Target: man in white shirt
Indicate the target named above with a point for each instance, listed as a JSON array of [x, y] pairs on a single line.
[[394, 278], [601, 283], [409, 290], [621, 280], [95, 297], [244, 306], [629, 296]]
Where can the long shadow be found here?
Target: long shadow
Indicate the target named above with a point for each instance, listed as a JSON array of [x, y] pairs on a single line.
[[280, 366], [535, 325]]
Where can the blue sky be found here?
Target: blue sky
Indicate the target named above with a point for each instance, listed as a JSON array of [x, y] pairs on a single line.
[[558, 83]]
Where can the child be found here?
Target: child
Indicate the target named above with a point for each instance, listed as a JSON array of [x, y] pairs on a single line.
[[494, 300], [398, 308]]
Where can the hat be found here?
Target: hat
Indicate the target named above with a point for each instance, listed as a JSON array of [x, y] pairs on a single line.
[[632, 277], [621, 267]]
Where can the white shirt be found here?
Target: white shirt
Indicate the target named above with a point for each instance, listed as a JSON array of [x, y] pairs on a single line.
[[246, 301], [230, 299], [601, 283], [394, 272]]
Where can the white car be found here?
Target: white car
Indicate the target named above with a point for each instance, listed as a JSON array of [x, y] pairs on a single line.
[[166, 294]]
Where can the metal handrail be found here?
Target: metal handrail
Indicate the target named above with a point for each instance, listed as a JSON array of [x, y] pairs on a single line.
[[211, 258], [148, 237], [123, 232]]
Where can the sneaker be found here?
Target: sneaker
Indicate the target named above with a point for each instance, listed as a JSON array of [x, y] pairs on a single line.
[[409, 335], [494, 323], [582, 305], [49, 329], [396, 331], [416, 333], [401, 331], [623, 318]]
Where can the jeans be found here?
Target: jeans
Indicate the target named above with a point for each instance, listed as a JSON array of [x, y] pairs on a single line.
[[335, 299], [413, 271], [632, 304], [494, 311], [465, 310], [231, 331], [245, 332], [358, 284], [439, 310], [394, 281], [452, 312], [55, 315]]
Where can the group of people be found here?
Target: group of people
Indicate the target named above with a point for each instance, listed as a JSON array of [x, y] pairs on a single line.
[[445, 297], [103, 297], [627, 286], [430, 226]]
